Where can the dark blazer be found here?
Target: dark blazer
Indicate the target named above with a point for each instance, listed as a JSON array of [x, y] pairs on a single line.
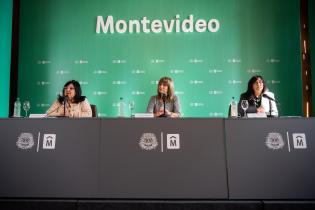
[[251, 104], [267, 101]]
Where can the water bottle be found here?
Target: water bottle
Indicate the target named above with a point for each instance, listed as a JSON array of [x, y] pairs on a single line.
[[233, 108], [121, 107], [17, 108]]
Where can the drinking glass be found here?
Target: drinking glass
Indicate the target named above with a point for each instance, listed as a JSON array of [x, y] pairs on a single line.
[[26, 107], [244, 105], [132, 107]]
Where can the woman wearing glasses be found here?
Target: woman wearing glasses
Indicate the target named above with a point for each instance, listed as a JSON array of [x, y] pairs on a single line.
[[75, 104]]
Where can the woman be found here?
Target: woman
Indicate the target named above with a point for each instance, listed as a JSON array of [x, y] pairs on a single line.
[[260, 100], [76, 105], [165, 93]]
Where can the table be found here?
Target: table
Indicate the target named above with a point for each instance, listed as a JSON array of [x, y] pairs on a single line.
[[188, 158]]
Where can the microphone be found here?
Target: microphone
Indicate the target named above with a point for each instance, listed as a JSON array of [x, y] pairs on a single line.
[[65, 98], [270, 98]]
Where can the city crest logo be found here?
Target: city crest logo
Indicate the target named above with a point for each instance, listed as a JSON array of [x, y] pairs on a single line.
[[25, 141], [274, 141], [148, 141]]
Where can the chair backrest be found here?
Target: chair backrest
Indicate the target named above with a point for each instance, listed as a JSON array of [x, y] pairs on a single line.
[[94, 110]]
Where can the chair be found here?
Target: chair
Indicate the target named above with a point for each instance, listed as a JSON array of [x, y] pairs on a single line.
[[94, 110]]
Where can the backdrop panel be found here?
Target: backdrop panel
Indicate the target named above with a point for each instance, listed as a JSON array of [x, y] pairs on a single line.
[[58, 42]]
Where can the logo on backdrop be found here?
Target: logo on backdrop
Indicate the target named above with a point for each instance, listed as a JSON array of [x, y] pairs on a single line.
[[118, 61], [195, 60], [177, 71], [274, 141], [43, 62], [273, 60], [234, 82], [148, 141], [25, 141], [196, 104], [273, 82], [215, 92], [81, 61], [138, 92], [157, 61], [216, 114], [196, 82], [234, 60], [215, 71]]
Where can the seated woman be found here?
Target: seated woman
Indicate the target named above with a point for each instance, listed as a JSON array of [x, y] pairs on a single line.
[[76, 105], [165, 92], [260, 99]]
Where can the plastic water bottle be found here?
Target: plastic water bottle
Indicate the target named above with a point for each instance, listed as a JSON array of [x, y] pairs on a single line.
[[121, 107], [233, 108], [17, 108]]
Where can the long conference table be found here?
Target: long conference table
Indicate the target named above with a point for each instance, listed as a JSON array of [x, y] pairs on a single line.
[[188, 158]]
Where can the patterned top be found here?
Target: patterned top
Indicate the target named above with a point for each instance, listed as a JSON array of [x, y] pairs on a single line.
[[81, 109], [155, 105], [266, 101]]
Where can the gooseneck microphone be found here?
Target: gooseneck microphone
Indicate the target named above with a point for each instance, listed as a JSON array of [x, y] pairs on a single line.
[[270, 98]]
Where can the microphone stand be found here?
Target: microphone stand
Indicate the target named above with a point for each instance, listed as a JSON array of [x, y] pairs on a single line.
[[164, 102], [64, 106], [270, 99], [270, 108]]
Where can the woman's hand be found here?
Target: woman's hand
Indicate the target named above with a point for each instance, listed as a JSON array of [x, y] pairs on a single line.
[[161, 112], [168, 113], [260, 109]]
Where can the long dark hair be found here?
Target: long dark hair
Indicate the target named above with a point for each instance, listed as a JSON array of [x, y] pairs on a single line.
[[77, 87], [250, 91]]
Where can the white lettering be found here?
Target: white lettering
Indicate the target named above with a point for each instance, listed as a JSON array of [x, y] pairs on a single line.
[[201, 26], [100, 23], [213, 25], [189, 22], [121, 26], [168, 28], [134, 23], [156, 26], [177, 24], [145, 25]]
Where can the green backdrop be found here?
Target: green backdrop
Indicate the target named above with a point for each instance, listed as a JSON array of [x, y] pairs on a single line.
[[58, 42], [5, 54]]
